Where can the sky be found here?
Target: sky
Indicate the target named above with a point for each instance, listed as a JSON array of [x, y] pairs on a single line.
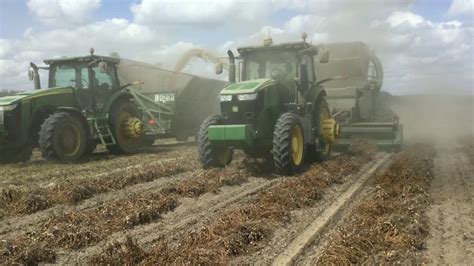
[[426, 46]]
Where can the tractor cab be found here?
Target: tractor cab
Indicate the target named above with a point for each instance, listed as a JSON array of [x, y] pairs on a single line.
[[93, 78], [280, 63]]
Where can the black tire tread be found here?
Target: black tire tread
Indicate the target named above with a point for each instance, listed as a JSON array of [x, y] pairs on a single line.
[[116, 148], [281, 149], [206, 153], [46, 135]]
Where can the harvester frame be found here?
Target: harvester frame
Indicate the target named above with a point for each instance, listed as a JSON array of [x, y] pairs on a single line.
[[354, 79]]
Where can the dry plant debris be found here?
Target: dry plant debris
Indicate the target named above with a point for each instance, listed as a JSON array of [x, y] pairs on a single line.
[[389, 225], [21, 200], [75, 230], [244, 229]]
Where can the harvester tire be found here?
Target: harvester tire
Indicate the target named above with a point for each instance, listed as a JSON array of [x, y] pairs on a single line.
[[62, 137], [209, 155], [288, 144], [124, 144], [322, 151]]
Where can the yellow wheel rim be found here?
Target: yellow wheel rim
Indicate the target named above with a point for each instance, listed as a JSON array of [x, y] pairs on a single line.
[[323, 115], [129, 129], [297, 145], [69, 139]]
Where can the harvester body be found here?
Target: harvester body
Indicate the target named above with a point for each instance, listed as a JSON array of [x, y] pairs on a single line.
[[354, 78], [275, 109], [94, 100]]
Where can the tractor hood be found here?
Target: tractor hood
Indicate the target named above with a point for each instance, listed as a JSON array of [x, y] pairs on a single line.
[[27, 95], [249, 86]]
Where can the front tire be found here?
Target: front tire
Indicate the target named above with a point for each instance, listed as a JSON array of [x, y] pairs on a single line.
[[288, 144], [211, 156], [62, 137]]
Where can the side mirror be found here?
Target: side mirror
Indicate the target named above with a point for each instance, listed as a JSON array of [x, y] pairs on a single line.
[[324, 58], [31, 73], [218, 68], [103, 67]]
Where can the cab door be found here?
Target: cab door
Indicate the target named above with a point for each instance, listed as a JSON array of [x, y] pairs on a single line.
[[103, 84], [83, 88]]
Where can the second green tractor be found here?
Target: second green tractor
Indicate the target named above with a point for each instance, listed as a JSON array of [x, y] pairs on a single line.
[[277, 109]]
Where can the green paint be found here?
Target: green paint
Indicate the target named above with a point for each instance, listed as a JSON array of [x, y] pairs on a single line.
[[234, 133]]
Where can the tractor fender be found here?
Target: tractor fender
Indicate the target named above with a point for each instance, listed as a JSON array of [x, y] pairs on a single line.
[[317, 93], [116, 96]]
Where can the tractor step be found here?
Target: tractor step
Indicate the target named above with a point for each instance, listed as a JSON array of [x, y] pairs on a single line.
[[101, 125]]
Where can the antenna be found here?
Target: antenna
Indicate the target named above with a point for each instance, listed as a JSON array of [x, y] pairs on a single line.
[[268, 41], [304, 36]]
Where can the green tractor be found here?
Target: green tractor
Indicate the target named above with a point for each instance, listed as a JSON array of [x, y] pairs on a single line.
[[84, 105], [277, 109]]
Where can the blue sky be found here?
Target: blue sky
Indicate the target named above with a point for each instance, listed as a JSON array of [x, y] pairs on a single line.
[[416, 39]]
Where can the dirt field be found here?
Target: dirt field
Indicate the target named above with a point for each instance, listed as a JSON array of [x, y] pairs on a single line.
[[159, 207]]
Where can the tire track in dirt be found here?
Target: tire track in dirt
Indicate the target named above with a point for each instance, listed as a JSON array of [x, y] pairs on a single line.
[[189, 215], [388, 225], [326, 221], [452, 212], [239, 229], [307, 252], [301, 219]]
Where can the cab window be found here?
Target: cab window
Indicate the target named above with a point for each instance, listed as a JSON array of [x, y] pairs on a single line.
[[102, 80], [69, 76]]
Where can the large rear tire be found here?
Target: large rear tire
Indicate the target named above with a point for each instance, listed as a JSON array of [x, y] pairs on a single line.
[[211, 156], [127, 128], [321, 151], [62, 137], [288, 144]]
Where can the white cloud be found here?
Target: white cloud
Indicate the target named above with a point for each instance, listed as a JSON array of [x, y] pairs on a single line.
[[198, 12], [119, 35], [5, 47], [461, 7], [63, 13], [418, 54], [399, 18]]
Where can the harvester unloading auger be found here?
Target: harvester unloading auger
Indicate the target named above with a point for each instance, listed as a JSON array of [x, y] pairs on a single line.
[[353, 80]]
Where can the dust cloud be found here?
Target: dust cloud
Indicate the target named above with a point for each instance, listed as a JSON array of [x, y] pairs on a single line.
[[438, 118]]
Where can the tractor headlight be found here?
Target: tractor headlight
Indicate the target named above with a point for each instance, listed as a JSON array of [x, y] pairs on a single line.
[[7, 107], [3, 109], [247, 97], [225, 98]]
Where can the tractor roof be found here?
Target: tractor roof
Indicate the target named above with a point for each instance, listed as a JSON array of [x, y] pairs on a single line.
[[88, 58], [288, 46]]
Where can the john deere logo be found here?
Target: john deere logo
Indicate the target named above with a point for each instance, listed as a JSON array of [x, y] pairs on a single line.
[[235, 109]]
